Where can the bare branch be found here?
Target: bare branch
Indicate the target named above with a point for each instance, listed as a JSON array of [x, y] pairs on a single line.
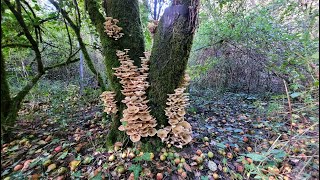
[[28, 35], [16, 45]]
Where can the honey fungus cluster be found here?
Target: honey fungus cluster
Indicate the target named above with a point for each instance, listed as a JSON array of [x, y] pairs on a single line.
[[179, 132], [112, 29], [108, 98], [136, 121]]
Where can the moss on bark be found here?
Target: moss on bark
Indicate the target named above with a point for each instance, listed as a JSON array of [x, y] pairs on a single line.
[[169, 57]]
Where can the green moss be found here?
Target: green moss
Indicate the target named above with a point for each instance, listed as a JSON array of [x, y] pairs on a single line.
[[151, 144]]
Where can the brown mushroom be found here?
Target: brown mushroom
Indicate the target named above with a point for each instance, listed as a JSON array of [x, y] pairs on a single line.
[[135, 138]]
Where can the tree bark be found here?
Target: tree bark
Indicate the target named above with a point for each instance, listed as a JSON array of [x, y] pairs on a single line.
[[169, 58], [127, 12]]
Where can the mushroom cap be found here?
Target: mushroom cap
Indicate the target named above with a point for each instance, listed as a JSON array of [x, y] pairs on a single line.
[[177, 130], [152, 132], [185, 124], [133, 109], [140, 93], [118, 144], [131, 132], [135, 138], [162, 133], [186, 138], [181, 112], [121, 128]]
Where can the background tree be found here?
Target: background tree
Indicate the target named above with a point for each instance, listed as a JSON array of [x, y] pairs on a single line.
[[11, 105]]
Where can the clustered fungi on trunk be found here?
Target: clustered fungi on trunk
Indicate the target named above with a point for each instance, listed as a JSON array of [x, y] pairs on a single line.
[[112, 29], [136, 121], [108, 98], [179, 132]]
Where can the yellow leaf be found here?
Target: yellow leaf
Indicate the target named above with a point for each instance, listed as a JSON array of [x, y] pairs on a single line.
[[51, 167], [73, 164]]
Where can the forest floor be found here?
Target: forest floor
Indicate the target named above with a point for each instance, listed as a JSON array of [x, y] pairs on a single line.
[[235, 136]]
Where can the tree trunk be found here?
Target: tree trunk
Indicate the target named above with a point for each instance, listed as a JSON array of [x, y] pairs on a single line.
[[5, 96], [127, 12], [169, 58]]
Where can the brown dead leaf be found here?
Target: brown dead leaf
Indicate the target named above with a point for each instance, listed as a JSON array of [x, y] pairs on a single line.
[[187, 167]]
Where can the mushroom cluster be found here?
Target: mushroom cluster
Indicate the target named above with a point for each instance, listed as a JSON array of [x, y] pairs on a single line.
[[136, 121], [179, 132], [112, 29], [108, 98]]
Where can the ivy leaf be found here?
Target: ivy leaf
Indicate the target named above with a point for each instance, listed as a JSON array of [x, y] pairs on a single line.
[[145, 157], [97, 177], [136, 169]]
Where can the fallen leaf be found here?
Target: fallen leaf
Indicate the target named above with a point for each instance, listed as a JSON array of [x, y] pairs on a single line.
[[73, 164], [18, 167], [212, 166], [51, 167], [187, 167], [26, 164], [58, 149]]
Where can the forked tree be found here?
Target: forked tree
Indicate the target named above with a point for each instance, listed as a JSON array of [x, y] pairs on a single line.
[[169, 56]]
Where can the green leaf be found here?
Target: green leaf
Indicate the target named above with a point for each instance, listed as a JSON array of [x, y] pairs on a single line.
[[204, 178], [55, 140], [36, 7], [256, 157], [76, 174], [257, 177], [295, 94], [63, 155], [315, 55], [97, 177], [220, 145], [279, 154], [145, 157], [14, 148], [34, 162], [136, 169]]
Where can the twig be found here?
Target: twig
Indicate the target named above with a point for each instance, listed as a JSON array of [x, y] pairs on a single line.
[[290, 111], [306, 164]]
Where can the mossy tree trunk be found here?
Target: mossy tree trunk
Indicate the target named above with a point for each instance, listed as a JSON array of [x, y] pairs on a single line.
[[172, 45], [170, 53], [127, 12]]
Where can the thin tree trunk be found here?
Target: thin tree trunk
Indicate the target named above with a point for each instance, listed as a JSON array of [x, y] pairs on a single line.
[[81, 72], [82, 45]]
